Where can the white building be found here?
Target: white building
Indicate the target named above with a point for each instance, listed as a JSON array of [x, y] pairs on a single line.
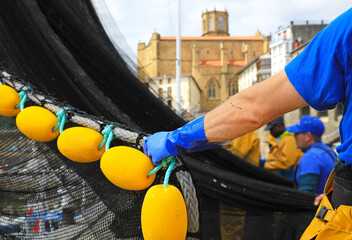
[[190, 92], [256, 71], [287, 38]]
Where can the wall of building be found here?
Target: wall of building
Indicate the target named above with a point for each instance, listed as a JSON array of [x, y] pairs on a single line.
[[195, 97], [158, 58]]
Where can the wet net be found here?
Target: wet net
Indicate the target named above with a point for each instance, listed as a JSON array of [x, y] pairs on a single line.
[[61, 50]]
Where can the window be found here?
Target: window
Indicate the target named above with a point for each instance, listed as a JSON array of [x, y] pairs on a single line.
[[338, 111], [323, 114], [233, 87], [210, 24], [288, 48], [211, 90], [221, 23], [160, 82], [169, 92], [266, 64], [169, 81], [265, 76], [161, 95], [169, 103], [304, 111]]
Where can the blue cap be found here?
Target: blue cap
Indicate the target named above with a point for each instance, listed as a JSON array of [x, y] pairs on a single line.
[[308, 124]]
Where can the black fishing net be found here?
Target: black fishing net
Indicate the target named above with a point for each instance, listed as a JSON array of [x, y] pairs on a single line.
[[62, 51]]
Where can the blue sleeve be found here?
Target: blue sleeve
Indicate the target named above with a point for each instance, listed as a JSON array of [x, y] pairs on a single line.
[[309, 183], [324, 62]]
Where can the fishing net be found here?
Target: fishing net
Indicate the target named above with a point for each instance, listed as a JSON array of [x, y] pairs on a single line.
[[61, 50]]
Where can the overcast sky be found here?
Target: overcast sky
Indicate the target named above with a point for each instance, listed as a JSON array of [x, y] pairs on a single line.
[[138, 19]]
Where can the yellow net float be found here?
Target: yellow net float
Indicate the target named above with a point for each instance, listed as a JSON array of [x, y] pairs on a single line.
[[127, 168], [164, 214], [9, 98], [80, 144], [37, 123]]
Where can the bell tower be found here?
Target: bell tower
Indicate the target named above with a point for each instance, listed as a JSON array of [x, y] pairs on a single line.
[[215, 23]]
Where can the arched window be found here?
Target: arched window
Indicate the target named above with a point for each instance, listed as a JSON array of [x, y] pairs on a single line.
[[210, 24], [211, 90], [221, 23], [233, 87]]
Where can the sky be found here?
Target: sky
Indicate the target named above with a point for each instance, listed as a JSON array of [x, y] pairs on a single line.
[[138, 19]]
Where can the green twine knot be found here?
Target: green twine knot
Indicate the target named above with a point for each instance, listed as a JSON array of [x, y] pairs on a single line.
[[164, 163], [108, 135], [23, 96], [61, 117]]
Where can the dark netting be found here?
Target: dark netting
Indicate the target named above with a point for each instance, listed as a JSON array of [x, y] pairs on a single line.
[[61, 49]]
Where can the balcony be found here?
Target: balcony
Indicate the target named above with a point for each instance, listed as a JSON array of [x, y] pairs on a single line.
[[276, 40]]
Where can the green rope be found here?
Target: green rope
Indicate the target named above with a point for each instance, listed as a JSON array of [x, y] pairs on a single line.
[[168, 172], [61, 117], [23, 96], [108, 136], [164, 163]]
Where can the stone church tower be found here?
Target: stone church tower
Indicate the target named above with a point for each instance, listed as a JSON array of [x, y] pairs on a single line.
[[215, 23], [211, 60]]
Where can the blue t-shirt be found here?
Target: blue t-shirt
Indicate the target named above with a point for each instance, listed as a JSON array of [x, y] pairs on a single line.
[[316, 161], [322, 75]]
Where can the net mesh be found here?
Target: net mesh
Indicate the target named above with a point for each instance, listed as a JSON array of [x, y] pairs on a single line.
[[61, 50]]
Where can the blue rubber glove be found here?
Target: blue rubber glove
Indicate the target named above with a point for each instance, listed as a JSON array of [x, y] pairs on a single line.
[[262, 162], [189, 138]]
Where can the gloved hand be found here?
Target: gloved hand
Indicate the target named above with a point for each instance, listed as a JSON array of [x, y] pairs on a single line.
[[189, 138]]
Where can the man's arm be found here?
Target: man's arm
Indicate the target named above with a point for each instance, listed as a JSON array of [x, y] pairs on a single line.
[[252, 108], [242, 113]]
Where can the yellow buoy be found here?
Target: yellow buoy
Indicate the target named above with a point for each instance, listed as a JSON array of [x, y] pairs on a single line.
[[164, 214], [127, 168], [37, 123], [9, 98], [80, 144]]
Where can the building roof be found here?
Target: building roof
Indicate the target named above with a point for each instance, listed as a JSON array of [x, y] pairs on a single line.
[[218, 38], [217, 63]]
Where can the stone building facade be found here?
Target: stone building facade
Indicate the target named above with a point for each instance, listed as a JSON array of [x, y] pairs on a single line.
[[212, 59]]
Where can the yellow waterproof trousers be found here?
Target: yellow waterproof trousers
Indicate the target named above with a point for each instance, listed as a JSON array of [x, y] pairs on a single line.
[[329, 223]]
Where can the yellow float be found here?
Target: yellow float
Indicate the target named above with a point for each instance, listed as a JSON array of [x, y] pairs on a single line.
[[164, 214], [37, 123], [9, 98], [127, 168], [80, 144]]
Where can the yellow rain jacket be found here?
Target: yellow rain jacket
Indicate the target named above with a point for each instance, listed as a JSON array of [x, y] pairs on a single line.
[[283, 153], [330, 223], [246, 147]]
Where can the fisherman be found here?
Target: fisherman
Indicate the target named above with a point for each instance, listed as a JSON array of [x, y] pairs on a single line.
[[283, 156], [318, 160], [320, 76]]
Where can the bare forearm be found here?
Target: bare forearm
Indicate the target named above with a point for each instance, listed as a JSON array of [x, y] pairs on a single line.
[[252, 108]]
